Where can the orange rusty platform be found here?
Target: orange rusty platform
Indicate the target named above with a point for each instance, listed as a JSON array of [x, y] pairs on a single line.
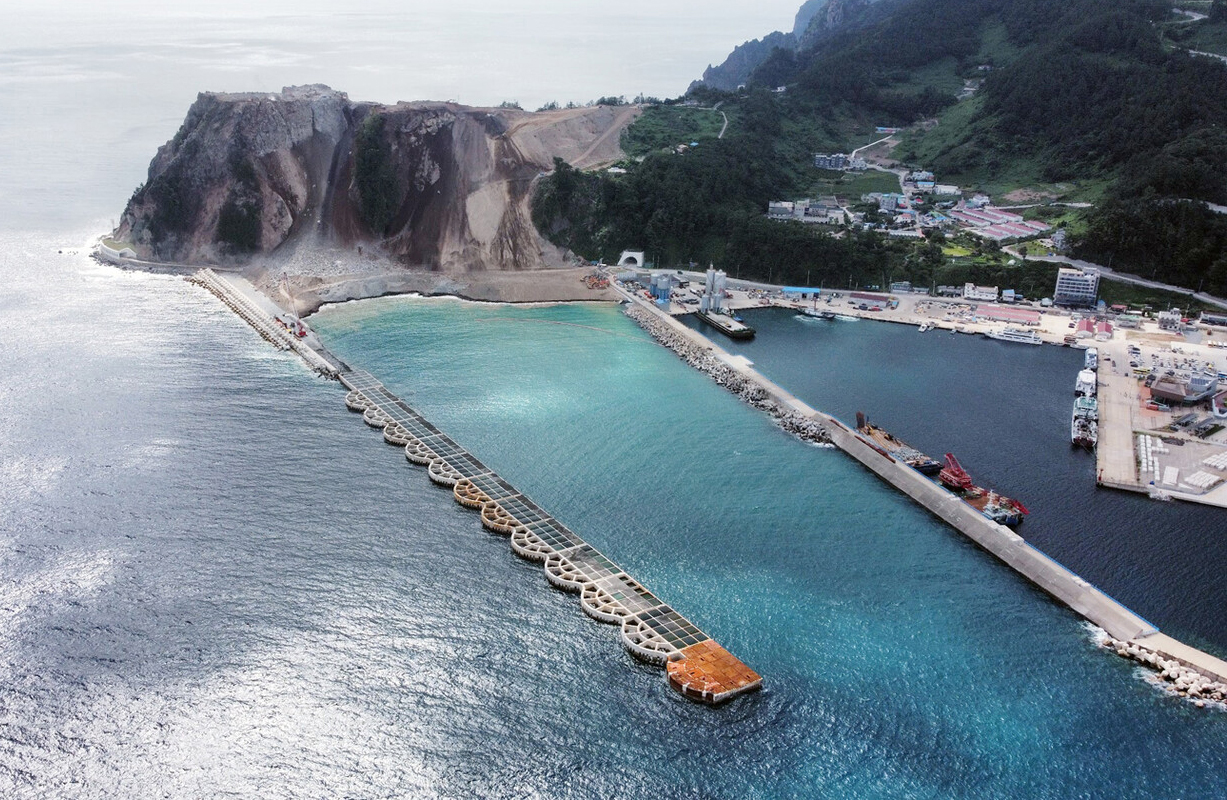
[[710, 674]]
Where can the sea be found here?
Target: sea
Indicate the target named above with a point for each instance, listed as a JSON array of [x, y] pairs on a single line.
[[217, 582]]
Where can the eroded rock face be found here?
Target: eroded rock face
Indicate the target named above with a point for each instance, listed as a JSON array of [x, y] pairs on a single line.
[[430, 185]]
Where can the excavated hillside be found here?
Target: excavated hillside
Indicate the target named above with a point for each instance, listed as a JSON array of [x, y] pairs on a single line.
[[433, 186]]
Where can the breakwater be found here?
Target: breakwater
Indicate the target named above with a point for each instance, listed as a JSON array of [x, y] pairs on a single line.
[[704, 359], [262, 321], [650, 629], [1119, 622], [695, 665]]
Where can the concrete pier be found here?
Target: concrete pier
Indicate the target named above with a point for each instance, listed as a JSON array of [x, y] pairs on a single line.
[[1041, 570], [650, 629]]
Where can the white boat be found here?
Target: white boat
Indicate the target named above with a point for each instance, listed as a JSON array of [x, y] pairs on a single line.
[[1086, 385], [1092, 359], [923, 327], [1083, 432], [1019, 335]]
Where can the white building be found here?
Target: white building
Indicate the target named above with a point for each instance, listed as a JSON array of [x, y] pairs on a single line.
[[987, 294], [1076, 287]]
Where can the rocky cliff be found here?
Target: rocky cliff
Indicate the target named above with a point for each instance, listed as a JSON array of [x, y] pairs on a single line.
[[814, 19], [429, 185]]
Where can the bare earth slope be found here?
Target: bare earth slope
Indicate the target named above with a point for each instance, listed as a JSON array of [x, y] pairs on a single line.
[[318, 185]]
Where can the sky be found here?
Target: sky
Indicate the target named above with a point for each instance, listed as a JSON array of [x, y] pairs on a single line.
[[466, 50]]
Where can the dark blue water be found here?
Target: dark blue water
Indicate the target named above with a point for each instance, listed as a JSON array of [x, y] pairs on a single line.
[[1003, 409]]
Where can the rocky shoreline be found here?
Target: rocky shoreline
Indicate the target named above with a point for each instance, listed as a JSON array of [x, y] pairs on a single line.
[[1183, 681], [704, 360]]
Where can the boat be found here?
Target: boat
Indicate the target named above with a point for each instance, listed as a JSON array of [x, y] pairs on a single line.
[[924, 327], [813, 312], [1086, 407], [1092, 359], [899, 450], [998, 508], [726, 325], [1083, 432], [1019, 335], [1086, 385]]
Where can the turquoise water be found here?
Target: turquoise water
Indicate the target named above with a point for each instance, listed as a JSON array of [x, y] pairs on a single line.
[[899, 660]]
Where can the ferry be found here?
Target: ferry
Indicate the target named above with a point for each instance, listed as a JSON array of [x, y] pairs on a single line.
[[1019, 335], [813, 312], [730, 327], [999, 509], [896, 448], [1092, 359]]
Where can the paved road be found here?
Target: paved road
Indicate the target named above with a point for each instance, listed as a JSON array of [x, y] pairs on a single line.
[[1122, 277]]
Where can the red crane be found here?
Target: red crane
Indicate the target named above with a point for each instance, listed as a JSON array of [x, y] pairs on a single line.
[[953, 474]]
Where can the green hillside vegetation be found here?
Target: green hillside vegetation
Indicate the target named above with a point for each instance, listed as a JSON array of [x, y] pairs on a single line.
[[1208, 35], [852, 185], [665, 126], [1080, 99]]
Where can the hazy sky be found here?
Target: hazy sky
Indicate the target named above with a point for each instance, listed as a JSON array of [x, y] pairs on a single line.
[[475, 52]]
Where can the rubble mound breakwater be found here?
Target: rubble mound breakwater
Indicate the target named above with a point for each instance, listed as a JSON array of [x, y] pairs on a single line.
[[706, 361]]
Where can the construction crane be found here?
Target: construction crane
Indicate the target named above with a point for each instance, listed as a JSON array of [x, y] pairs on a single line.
[[953, 474]]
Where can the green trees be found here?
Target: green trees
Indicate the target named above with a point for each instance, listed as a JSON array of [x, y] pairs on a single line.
[[374, 176]]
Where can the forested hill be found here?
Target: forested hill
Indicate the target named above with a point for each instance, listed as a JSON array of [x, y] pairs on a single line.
[[1088, 93]]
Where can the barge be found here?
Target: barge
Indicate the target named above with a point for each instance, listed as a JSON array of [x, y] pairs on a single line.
[[730, 327], [896, 448]]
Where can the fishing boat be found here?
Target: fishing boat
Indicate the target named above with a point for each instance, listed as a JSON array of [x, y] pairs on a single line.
[[898, 449]]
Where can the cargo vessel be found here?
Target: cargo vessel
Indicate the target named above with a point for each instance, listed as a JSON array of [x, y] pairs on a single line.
[[998, 508], [900, 450]]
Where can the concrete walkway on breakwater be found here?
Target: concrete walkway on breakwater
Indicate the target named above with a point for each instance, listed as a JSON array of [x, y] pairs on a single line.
[[1005, 544], [696, 665]]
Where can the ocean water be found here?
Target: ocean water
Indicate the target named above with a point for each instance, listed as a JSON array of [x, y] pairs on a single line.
[[1003, 409], [216, 582]]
